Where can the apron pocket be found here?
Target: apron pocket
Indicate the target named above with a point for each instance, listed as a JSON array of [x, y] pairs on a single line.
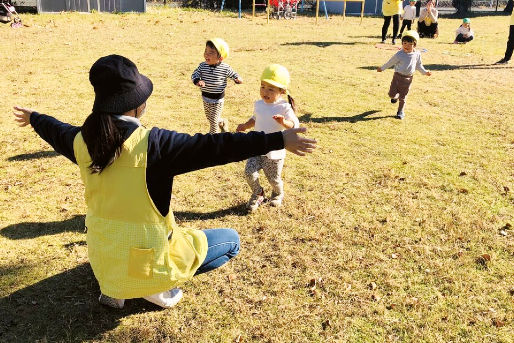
[[141, 263]]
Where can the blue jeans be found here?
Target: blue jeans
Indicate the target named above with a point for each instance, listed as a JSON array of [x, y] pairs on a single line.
[[223, 244]]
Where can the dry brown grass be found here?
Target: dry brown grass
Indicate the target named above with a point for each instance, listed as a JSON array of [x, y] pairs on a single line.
[[390, 218]]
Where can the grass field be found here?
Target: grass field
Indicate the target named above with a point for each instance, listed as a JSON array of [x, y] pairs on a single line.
[[392, 231]]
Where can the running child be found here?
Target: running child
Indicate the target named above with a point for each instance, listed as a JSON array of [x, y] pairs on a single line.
[[405, 62], [271, 114], [211, 76], [464, 33]]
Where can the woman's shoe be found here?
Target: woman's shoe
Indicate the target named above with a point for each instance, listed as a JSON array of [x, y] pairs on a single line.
[[166, 299], [111, 302]]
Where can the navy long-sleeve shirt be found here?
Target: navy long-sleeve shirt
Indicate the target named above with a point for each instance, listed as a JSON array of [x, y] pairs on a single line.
[[169, 153]]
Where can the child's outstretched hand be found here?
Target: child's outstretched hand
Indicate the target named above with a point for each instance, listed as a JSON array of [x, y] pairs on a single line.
[[297, 144], [428, 73], [379, 69], [201, 83], [241, 128], [238, 81], [22, 118], [279, 119]]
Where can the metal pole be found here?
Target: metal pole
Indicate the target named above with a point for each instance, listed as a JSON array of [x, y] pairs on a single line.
[[239, 9], [325, 7]]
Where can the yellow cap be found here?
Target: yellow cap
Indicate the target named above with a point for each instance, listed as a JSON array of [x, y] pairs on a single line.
[[411, 33], [221, 46], [276, 75]]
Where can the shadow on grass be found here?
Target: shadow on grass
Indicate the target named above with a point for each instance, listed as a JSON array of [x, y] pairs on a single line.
[[62, 308], [442, 67], [307, 118], [35, 229], [33, 156], [467, 66], [322, 44], [238, 210]]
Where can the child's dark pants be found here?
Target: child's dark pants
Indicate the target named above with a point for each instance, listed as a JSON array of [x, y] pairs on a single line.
[[460, 38], [405, 23]]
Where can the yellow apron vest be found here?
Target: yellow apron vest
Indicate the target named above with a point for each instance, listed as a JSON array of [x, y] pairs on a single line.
[[391, 7], [127, 237]]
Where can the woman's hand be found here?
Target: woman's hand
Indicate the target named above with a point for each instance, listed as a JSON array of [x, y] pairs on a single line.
[[22, 118], [297, 144]]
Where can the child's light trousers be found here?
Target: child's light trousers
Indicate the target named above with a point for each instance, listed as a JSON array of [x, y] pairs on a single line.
[[272, 170]]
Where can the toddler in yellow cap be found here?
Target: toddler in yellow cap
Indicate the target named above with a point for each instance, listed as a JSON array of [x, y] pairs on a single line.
[[271, 114], [211, 76], [405, 63]]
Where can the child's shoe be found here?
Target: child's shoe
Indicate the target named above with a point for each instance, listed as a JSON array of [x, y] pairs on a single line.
[[223, 124], [394, 100], [276, 199], [111, 302], [383, 41], [166, 299], [255, 201], [393, 42], [502, 61], [400, 115]]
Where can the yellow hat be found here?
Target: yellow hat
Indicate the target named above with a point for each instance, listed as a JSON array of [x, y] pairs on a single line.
[[411, 33], [221, 46], [276, 75]]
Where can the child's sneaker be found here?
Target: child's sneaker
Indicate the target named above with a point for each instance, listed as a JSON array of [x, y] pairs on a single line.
[[276, 199], [393, 42], [383, 41], [255, 201], [394, 100], [166, 299], [223, 124], [111, 302], [400, 115]]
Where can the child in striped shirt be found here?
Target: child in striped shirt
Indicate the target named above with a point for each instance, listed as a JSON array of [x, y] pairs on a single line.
[[211, 76]]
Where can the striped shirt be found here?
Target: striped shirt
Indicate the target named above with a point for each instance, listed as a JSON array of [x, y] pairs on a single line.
[[215, 78]]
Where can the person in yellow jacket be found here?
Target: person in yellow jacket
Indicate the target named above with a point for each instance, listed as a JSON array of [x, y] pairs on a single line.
[[391, 9], [510, 43], [134, 246]]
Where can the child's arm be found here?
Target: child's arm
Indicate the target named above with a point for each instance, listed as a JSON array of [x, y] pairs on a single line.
[[392, 61], [288, 124], [421, 68], [245, 126], [196, 77], [234, 76]]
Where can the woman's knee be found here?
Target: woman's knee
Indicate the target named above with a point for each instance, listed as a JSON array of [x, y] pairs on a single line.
[[233, 237]]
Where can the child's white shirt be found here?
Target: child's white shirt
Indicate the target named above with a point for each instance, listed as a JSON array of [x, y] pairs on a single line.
[[409, 12], [465, 31], [263, 115]]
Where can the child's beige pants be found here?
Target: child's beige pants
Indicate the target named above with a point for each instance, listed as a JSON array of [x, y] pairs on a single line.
[[400, 86]]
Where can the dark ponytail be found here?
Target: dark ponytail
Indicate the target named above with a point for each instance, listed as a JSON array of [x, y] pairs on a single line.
[[103, 139], [291, 102]]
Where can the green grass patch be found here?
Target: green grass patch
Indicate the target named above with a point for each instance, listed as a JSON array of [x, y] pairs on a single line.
[[389, 217]]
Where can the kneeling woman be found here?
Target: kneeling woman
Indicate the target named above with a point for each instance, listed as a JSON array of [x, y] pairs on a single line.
[[427, 21], [134, 246]]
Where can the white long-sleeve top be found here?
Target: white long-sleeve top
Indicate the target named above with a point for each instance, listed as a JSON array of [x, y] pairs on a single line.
[[467, 32], [406, 63], [409, 12], [263, 115]]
